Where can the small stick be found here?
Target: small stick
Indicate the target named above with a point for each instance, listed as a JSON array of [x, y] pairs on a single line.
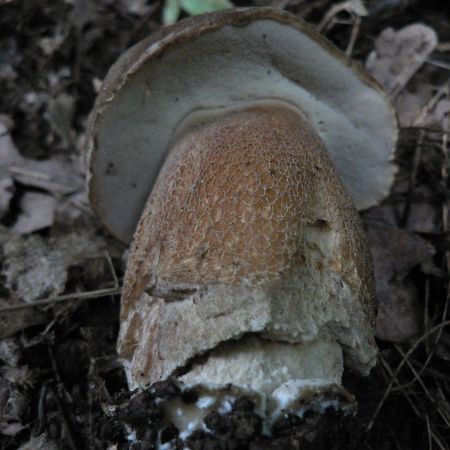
[[63, 298], [399, 367]]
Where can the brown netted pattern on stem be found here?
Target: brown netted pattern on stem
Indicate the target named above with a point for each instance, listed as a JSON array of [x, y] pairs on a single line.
[[233, 199], [244, 201]]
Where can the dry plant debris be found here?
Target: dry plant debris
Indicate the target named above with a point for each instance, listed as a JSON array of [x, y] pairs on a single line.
[[50, 183], [35, 268], [60, 383], [395, 252], [399, 54]]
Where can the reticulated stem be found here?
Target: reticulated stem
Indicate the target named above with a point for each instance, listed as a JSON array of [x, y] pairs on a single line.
[[247, 231]]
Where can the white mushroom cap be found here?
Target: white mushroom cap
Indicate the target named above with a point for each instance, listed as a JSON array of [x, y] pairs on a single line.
[[230, 60]]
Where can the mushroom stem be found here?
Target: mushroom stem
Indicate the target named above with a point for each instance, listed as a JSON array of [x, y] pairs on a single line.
[[280, 377], [248, 230], [263, 365]]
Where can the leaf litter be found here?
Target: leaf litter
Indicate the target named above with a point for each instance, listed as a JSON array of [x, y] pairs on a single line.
[[60, 273]]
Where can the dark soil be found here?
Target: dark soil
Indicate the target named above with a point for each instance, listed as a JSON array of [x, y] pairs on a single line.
[[65, 385], [240, 428]]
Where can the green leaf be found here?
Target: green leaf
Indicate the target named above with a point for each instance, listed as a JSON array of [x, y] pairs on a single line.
[[194, 7], [171, 9], [171, 12]]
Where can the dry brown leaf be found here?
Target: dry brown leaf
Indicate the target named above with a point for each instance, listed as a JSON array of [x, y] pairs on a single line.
[[34, 268], [419, 108], [409, 104], [60, 116], [398, 55], [37, 212], [395, 253], [13, 322], [7, 189], [8, 156], [424, 215], [60, 176]]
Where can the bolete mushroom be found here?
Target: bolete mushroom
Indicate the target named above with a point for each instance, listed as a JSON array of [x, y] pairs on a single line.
[[235, 146]]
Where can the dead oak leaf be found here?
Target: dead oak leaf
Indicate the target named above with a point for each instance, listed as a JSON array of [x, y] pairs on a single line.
[[395, 253], [398, 55]]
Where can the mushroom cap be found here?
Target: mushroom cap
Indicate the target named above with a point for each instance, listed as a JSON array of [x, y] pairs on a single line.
[[229, 60]]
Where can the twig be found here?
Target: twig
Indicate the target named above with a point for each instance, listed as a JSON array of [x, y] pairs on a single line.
[[353, 36], [430, 105], [412, 179], [404, 392], [57, 399], [418, 374], [408, 395], [399, 367], [426, 309], [16, 170], [443, 402], [444, 175], [111, 268], [63, 298], [438, 63], [424, 387], [430, 443]]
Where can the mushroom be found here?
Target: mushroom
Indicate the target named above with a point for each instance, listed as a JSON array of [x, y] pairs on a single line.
[[235, 146]]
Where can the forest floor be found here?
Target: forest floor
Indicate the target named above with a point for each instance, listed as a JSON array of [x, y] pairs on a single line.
[[61, 273]]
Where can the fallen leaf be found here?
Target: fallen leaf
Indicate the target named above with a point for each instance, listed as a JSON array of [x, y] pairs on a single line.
[[421, 108], [409, 104], [424, 214], [399, 314], [8, 156], [395, 253], [12, 322], [7, 189], [74, 209], [31, 269], [60, 115], [34, 268], [398, 55], [37, 211], [60, 176]]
